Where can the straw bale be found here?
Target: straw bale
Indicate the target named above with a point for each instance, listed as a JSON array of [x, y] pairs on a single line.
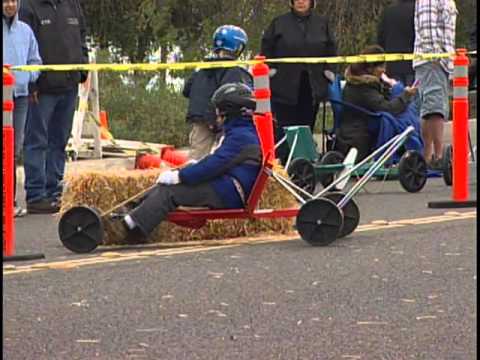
[[103, 190]]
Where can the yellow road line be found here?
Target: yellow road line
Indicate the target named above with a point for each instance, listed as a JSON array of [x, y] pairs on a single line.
[[202, 246]]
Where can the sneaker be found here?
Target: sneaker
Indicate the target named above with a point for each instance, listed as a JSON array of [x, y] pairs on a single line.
[[436, 164], [20, 212], [43, 206], [56, 200], [116, 228], [119, 232]]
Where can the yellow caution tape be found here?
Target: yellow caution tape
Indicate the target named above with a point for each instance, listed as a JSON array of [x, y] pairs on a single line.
[[226, 64], [135, 67]]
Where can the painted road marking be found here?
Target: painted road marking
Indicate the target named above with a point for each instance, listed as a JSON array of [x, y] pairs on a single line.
[[202, 246]]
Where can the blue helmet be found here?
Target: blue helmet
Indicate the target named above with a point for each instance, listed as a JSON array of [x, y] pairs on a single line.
[[230, 38]]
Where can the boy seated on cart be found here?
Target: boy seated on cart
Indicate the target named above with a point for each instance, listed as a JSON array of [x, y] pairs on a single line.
[[221, 180]]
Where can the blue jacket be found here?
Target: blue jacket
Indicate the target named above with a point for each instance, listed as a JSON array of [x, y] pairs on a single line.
[[238, 156], [391, 126], [20, 48]]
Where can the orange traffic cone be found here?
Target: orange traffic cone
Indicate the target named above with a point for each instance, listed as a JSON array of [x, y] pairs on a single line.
[[174, 157], [104, 132], [147, 161]]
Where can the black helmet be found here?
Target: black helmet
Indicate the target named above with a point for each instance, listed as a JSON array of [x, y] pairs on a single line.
[[233, 99], [313, 3]]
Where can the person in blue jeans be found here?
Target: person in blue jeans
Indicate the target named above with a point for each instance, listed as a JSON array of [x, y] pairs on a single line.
[[59, 27], [19, 48]]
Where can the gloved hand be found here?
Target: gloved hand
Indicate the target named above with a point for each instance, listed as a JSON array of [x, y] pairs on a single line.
[[169, 177]]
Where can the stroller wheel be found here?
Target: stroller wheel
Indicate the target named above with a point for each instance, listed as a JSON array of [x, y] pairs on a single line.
[[351, 213], [447, 165], [80, 229], [302, 173], [330, 158], [412, 171], [319, 221]]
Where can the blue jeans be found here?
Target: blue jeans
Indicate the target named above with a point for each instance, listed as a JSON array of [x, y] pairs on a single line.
[[47, 131], [19, 119]]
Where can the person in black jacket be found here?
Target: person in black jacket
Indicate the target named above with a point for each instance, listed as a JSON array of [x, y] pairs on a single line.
[[472, 70], [297, 89], [396, 34], [229, 41], [366, 89], [59, 27]]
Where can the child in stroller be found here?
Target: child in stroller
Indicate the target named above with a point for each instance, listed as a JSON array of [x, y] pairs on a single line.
[[388, 104]]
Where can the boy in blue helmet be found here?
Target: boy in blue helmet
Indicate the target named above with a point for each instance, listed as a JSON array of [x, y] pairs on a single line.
[[229, 41], [221, 180]]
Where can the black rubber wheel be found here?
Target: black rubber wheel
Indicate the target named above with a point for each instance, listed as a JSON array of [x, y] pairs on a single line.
[[80, 229], [329, 158], [319, 221], [447, 165], [351, 213], [302, 174], [412, 171]]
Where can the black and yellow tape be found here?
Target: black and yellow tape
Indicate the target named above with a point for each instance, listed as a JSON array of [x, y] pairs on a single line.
[[226, 64]]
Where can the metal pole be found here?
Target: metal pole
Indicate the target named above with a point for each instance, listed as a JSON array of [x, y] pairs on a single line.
[[95, 99], [398, 141]]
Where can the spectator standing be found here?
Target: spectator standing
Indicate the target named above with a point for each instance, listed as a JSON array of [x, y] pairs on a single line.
[[59, 27], [229, 42], [434, 33], [396, 34], [297, 89], [19, 48]]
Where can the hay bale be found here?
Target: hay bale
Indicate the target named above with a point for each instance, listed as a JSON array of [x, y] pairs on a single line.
[[102, 190]]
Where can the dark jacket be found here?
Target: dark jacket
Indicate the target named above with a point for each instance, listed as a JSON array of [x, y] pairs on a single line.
[[472, 71], [396, 34], [202, 84], [370, 93], [292, 36], [239, 156], [59, 27]]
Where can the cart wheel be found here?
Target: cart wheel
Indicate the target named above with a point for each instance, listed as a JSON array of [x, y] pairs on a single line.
[[330, 158], [412, 171], [447, 165], [302, 173], [80, 229], [351, 213], [319, 221]]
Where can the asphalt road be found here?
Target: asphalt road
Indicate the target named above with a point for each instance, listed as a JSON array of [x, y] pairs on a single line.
[[384, 292]]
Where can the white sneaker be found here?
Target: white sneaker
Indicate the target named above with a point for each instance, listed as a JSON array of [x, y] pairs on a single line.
[[20, 212]]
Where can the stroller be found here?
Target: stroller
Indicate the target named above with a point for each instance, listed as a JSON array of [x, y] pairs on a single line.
[[406, 164]]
